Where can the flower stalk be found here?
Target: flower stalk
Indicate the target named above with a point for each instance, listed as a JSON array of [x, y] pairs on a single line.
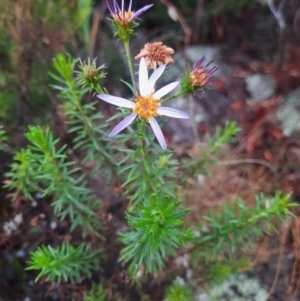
[[144, 155], [179, 93], [130, 65]]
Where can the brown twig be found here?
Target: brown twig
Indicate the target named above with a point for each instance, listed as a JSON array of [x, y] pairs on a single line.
[[198, 19], [278, 269], [97, 17], [177, 16]]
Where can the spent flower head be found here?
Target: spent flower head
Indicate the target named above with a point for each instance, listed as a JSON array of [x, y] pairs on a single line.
[[90, 75], [200, 76], [123, 20], [146, 105], [156, 54]]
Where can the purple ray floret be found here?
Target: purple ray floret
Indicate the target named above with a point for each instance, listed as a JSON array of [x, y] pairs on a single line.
[[115, 9], [122, 125], [140, 11], [209, 72]]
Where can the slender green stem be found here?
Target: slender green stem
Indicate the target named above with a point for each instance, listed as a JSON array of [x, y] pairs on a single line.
[[173, 96], [98, 89], [128, 56], [192, 120], [144, 155], [90, 131]]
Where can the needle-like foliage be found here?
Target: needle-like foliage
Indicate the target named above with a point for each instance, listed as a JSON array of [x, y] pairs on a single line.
[[71, 197], [65, 262], [157, 232], [96, 293], [84, 120], [149, 163], [178, 292], [222, 232], [21, 177], [196, 165]]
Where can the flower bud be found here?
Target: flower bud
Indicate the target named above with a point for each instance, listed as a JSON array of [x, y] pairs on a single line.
[[90, 75], [199, 77]]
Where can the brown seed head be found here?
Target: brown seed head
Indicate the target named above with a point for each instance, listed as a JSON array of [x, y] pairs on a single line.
[[156, 54]]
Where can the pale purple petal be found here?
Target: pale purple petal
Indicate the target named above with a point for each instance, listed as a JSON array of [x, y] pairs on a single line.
[[122, 5], [122, 125], [170, 112], [165, 90], [110, 8], [158, 133], [117, 101], [154, 77], [140, 11], [143, 78], [130, 4], [117, 8]]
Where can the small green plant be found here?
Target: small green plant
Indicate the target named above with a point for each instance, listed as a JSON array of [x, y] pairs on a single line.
[[83, 119], [177, 292], [42, 168], [96, 293], [195, 165], [22, 175], [72, 198], [222, 232], [65, 262]]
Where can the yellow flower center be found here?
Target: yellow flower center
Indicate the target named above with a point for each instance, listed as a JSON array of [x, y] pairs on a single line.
[[146, 107], [123, 18], [198, 77]]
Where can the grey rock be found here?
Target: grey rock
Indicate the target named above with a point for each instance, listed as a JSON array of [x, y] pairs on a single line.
[[182, 130], [260, 86], [194, 53], [239, 287], [289, 113]]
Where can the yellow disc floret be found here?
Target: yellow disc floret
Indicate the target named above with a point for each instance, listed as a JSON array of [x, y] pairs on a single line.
[[123, 18], [146, 107], [198, 77]]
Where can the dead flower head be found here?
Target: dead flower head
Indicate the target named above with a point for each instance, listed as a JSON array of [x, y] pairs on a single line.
[[156, 54]]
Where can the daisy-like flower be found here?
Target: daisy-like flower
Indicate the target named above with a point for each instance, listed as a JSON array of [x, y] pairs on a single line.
[[156, 54], [120, 15], [202, 75], [146, 104]]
